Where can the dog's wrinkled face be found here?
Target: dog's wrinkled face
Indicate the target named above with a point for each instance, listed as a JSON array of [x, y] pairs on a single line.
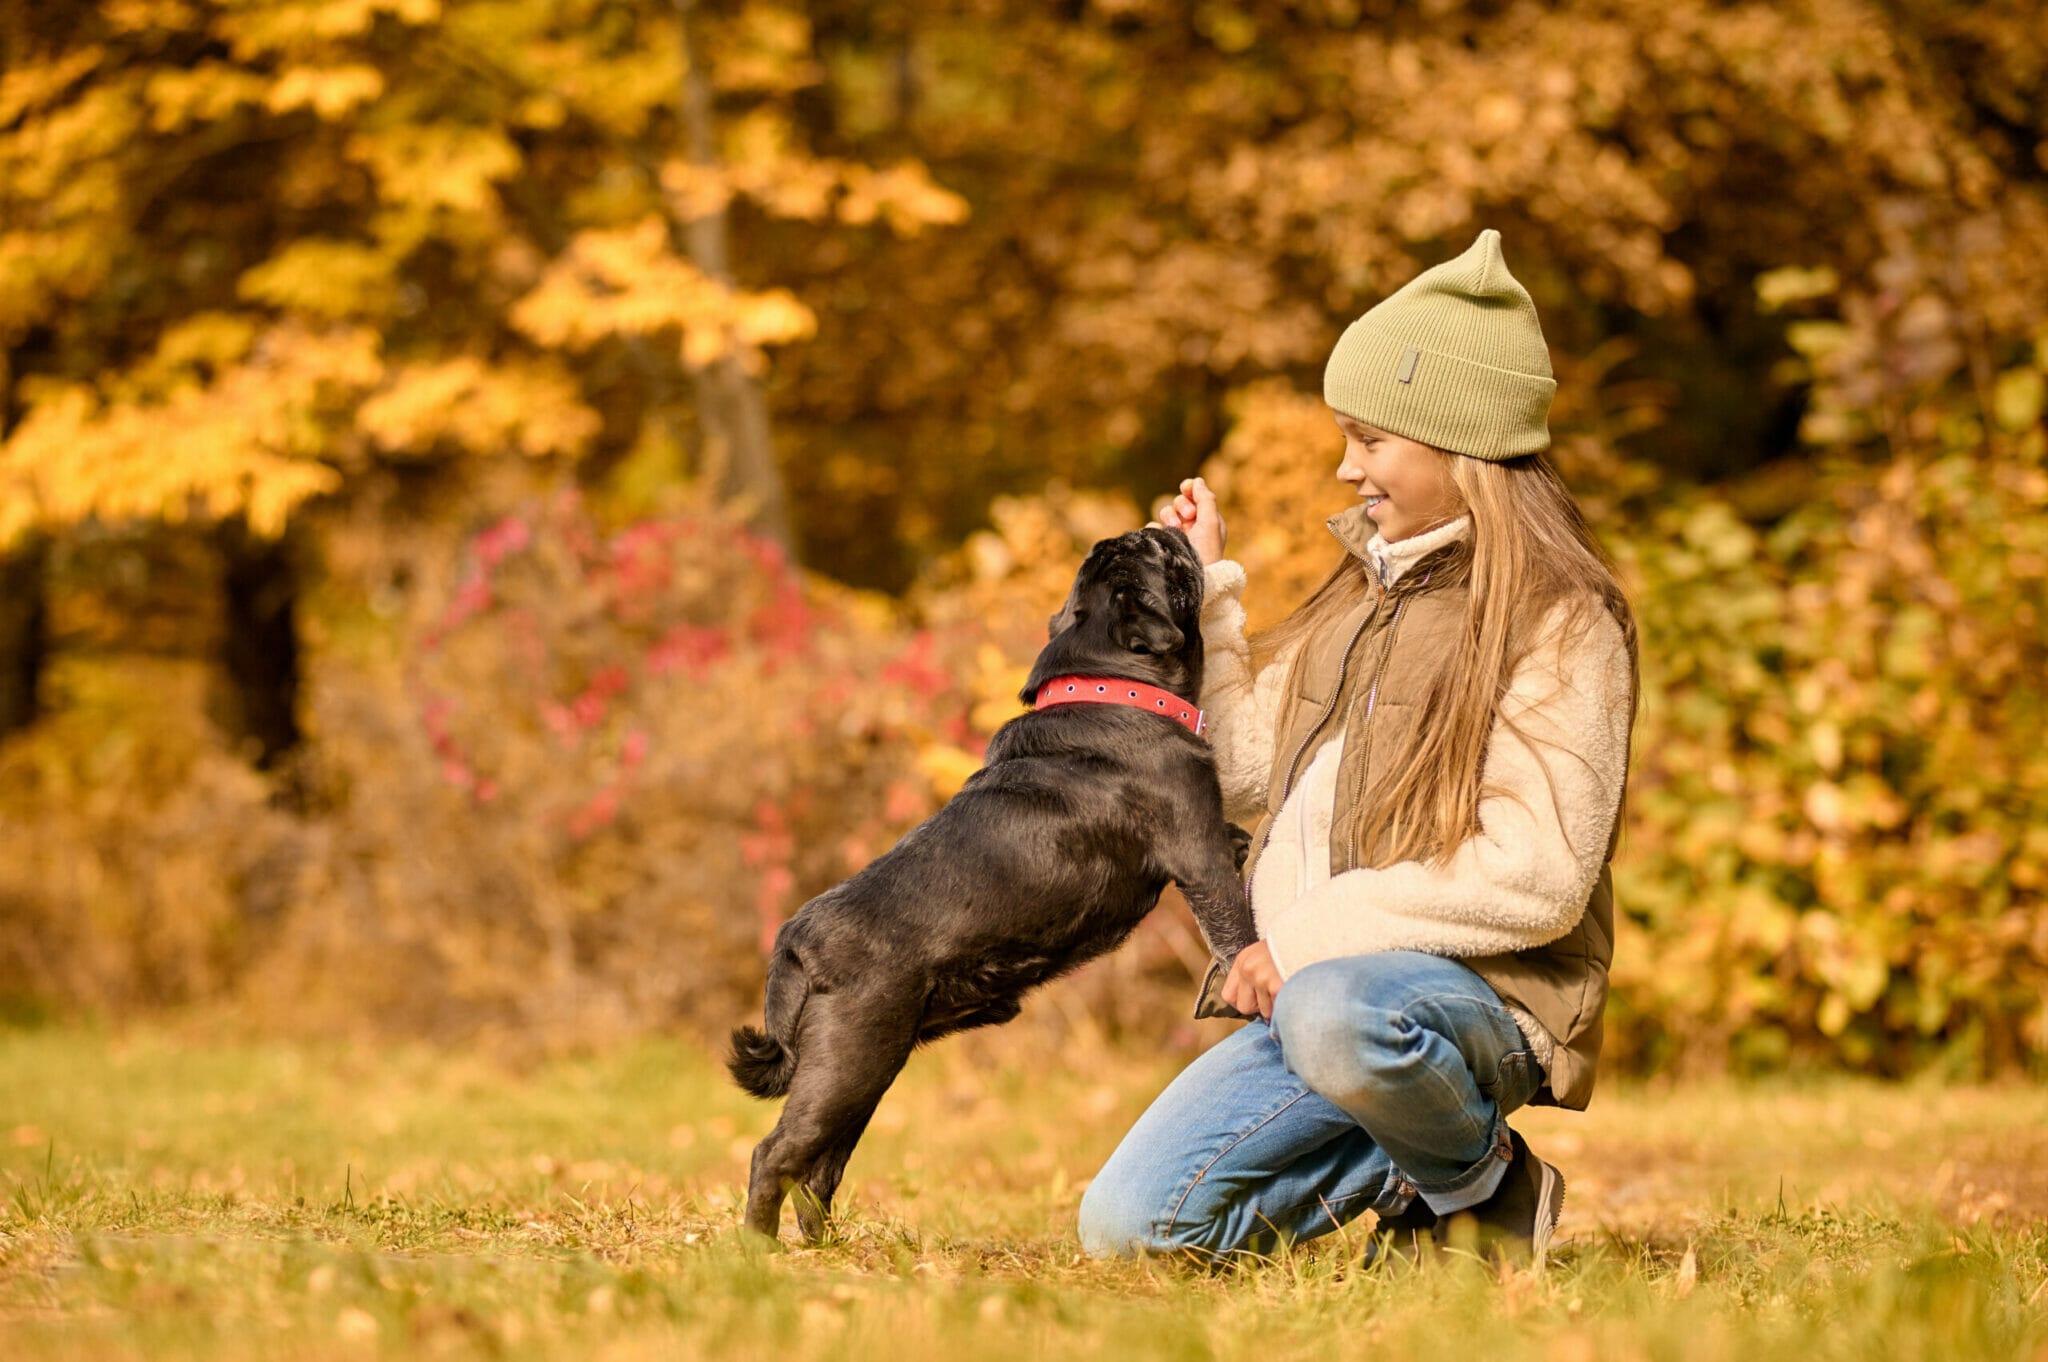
[[1137, 600]]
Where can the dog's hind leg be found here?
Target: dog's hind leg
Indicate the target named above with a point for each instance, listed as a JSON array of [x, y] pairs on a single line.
[[852, 1052], [814, 1199], [831, 1165]]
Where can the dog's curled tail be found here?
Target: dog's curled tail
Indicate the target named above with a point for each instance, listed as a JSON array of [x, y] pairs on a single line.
[[764, 1061], [759, 1062]]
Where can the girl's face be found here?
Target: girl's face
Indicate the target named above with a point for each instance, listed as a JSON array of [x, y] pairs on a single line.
[[1407, 485]]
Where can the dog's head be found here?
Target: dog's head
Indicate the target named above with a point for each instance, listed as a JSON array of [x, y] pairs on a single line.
[[1134, 611]]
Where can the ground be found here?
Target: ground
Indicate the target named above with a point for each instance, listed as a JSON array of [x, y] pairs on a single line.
[[172, 1195]]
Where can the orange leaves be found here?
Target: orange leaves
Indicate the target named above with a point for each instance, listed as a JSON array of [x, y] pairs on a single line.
[[763, 49], [179, 97], [421, 166], [444, 175], [629, 283], [903, 195], [330, 91], [245, 444], [324, 277], [618, 282], [1276, 474], [697, 191], [31, 86], [61, 162], [761, 165], [534, 408], [270, 27]]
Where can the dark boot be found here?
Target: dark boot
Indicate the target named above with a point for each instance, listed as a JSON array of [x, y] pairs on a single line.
[[1402, 1232], [1518, 1219]]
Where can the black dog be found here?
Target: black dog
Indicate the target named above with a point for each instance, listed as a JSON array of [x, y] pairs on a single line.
[[1049, 856]]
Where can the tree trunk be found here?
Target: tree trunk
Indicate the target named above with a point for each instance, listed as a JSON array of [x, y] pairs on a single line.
[[738, 448], [24, 633], [260, 642]]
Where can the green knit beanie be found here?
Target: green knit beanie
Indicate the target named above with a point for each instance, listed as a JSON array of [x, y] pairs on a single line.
[[1454, 358]]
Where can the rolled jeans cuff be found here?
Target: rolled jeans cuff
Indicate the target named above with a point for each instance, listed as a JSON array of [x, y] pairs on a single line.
[[1477, 1183]]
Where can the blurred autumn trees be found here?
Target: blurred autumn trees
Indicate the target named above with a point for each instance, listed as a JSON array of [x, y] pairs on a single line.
[[304, 301]]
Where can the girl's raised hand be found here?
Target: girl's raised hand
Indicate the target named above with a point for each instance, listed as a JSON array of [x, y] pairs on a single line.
[[1193, 511]]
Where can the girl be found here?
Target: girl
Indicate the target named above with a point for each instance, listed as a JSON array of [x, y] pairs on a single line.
[[1435, 748]]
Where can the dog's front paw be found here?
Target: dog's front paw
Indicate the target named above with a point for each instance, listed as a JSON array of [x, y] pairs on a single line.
[[1209, 1003]]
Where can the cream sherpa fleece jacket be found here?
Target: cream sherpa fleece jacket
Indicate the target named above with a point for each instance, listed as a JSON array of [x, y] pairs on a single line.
[[1521, 881]]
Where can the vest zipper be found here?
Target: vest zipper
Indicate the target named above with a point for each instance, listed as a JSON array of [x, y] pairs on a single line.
[[1372, 696], [1336, 693]]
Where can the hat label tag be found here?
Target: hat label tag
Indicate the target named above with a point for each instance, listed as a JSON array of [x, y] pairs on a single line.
[[1407, 374]]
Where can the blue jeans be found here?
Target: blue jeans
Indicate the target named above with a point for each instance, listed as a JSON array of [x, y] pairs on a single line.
[[1380, 1078]]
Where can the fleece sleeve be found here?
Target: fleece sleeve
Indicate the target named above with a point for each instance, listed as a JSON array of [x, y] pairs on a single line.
[[1550, 795], [1242, 708]]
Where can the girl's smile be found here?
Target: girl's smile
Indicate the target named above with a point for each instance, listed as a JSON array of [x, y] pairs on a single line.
[[1406, 484]]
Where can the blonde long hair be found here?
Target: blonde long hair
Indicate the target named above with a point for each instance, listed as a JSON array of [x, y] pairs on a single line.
[[1530, 548]]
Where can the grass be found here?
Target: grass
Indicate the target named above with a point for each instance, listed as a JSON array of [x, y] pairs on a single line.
[[167, 1196]]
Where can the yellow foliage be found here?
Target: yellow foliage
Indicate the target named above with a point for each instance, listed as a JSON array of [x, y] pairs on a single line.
[[1005, 582], [40, 270], [266, 28], [1277, 474], [1777, 289], [533, 407], [628, 282], [188, 350], [765, 49], [772, 317], [330, 91], [62, 162], [204, 93], [29, 87], [947, 767], [764, 164], [141, 16], [437, 165], [245, 444], [614, 75], [695, 191], [323, 277], [903, 195]]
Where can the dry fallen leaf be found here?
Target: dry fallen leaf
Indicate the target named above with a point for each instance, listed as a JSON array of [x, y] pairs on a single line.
[[1688, 1273]]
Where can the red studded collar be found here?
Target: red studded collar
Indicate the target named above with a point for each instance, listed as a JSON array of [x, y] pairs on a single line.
[[1107, 690]]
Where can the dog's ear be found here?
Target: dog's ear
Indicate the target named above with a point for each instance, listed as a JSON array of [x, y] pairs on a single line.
[[1142, 627], [1064, 616]]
